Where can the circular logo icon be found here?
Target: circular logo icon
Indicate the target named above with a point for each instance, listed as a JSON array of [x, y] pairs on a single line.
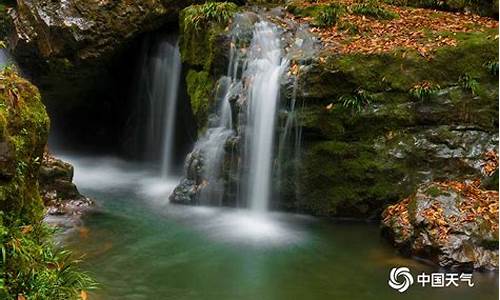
[[400, 279]]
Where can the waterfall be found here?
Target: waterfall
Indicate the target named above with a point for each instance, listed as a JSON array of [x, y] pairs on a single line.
[[157, 96], [250, 130], [251, 87], [265, 68]]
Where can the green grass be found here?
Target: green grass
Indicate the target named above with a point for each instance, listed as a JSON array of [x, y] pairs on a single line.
[[357, 101], [492, 67], [468, 83], [329, 15], [196, 16], [32, 266], [371, 8], [424, 90]]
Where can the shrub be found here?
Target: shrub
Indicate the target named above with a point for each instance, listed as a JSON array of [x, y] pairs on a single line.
[[356, 102], [329, 15], [196, 16], [424, 90], [468, 83], [371, 8]]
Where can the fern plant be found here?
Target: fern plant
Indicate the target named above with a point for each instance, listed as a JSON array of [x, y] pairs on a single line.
[[371, 8], [468, 83], [196, 16], [424, 90], [356, 102], [492, 67], [329, 15]]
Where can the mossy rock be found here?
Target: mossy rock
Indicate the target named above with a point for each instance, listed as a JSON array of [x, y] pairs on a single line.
[[24, 127], [488, 8], [202, 28], [346, 179], [356, 162], [200, 87], [400, 70]]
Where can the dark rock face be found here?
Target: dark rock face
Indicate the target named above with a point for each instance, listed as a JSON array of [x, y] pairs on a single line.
[[453, 224], [81, 30], [81, 54]]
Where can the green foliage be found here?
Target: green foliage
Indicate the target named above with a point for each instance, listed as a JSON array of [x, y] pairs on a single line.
[[372, 8], [32, 266], [468, 83], [424, 90], [197, 16], [329, 15], [356, 102], [492, 67]]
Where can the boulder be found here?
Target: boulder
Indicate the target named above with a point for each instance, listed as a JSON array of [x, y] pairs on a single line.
[[59, 193], [454, 224]]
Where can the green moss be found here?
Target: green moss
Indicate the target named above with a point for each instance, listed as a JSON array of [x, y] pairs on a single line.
[[379, 72], [372, 8], [25, 133], [345, 178], [433, 191], [31, 265], [487, 8], [201, 27], [200, 87]]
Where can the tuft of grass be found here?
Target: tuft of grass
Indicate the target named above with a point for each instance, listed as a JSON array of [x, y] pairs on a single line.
[[196, 16], [357, 101], [492, 67], [329, 15], [32, 266], [468, 83], [372, 8], [424, 90]]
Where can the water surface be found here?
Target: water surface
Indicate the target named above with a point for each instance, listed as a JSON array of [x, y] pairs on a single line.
[[138, 246]]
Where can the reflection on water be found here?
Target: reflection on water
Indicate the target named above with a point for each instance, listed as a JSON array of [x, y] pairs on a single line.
[[139, 248]]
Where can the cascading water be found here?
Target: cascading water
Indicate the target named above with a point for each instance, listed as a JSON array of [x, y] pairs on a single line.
[[234, 163], [157, 97], [266, 65]]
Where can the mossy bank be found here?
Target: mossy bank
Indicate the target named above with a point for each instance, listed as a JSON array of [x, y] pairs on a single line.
[[31, 266]]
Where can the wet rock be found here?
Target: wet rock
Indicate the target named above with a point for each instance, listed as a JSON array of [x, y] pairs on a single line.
[[187, 192], [81, 30], [453, 224], [65, 205]]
